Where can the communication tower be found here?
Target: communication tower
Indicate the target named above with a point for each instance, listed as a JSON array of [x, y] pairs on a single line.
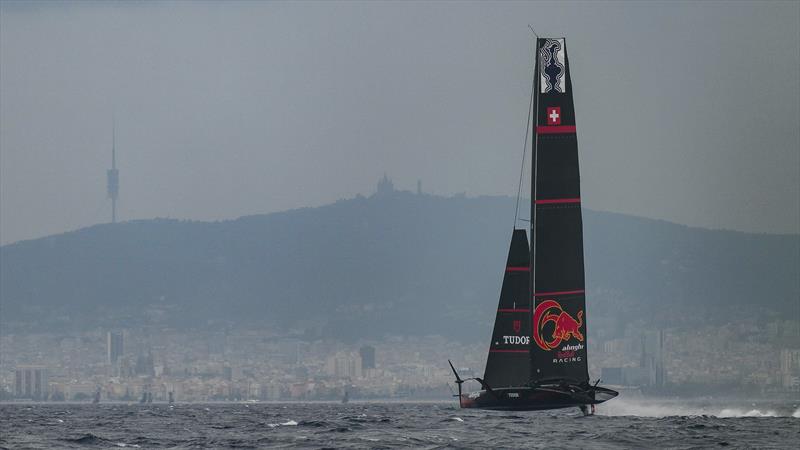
[[113, 175]]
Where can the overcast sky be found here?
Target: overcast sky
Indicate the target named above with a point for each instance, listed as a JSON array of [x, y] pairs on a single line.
[[686, 112]]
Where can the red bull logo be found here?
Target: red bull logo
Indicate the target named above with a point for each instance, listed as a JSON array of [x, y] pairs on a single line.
[[565, 327]]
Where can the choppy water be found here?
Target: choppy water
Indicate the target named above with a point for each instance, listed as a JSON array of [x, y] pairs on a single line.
[[386, 425]]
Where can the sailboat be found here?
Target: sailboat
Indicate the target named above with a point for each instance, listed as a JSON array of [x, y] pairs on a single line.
[[537, 355]]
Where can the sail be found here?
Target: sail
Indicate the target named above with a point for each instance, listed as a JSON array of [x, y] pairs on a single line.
[[508, 362], [558, 319]]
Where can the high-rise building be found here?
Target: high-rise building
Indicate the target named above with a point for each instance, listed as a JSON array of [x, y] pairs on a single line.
[[31, 382], [344, 365], [652, 358], [114, 346], [790, 368], [367, 357]]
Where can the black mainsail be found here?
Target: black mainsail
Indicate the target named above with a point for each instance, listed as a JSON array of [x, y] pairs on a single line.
[[537, 356], [558, 350]]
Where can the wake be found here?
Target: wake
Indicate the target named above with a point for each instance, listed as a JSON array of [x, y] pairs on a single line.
[[665, 408]]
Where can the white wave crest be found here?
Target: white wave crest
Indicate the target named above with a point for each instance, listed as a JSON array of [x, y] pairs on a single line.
[[289, 423], [643, 407], [735, 412]]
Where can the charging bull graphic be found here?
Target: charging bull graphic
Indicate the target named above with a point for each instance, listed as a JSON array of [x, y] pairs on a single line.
[[565, 327]]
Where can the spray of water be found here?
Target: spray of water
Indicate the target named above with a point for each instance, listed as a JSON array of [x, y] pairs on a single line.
[[644, 407]]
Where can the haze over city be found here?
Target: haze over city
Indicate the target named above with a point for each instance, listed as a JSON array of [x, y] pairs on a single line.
[[688, 112]]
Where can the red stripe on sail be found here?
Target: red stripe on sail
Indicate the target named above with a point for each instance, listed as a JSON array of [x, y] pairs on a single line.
[[517, 269], [557, 129], [513, 310], [550, 201], [554, 293], [491, 350]]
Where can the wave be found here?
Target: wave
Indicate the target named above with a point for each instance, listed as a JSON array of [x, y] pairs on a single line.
[[289, 423], [735, 412], [667, 408], [86, 439]]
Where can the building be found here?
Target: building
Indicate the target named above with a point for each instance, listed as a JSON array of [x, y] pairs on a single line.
[[31, 382], [612, 376], [385, 186], [145, 365], [652, 357], [114, 347], [344, 365], [367, 357], [790, 368]]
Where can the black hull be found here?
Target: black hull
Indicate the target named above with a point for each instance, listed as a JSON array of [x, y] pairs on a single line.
[[536, 399]]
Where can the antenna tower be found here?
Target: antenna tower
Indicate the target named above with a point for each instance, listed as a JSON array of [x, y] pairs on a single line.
[[113, 174]]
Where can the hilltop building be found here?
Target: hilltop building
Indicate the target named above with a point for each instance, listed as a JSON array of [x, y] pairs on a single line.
[[385, 185]]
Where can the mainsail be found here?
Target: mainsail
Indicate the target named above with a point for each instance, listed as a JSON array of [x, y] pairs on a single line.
[[558, 319], [509, 351]]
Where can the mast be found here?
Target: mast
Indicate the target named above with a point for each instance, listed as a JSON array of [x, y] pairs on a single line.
[[534, 154]]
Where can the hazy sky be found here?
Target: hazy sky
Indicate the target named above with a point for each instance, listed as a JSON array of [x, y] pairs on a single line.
[[686, 112]]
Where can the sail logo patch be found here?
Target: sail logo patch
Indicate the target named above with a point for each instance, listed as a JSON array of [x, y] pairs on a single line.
[[515, 340], [554, 115], [551, 70], [565, 327]]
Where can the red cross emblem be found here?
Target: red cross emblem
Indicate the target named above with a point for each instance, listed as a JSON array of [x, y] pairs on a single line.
[[554, 115]]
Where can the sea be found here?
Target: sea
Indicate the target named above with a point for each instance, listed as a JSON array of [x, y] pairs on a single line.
[[620, 423]]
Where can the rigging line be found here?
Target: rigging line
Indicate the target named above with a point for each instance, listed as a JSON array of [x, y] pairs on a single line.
[[532, 31], [525, 144]]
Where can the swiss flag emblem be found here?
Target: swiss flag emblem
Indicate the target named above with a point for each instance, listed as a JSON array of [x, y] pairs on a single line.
[[554, 115]]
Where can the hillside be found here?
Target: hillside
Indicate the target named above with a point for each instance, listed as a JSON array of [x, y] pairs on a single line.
[[391, 263]]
